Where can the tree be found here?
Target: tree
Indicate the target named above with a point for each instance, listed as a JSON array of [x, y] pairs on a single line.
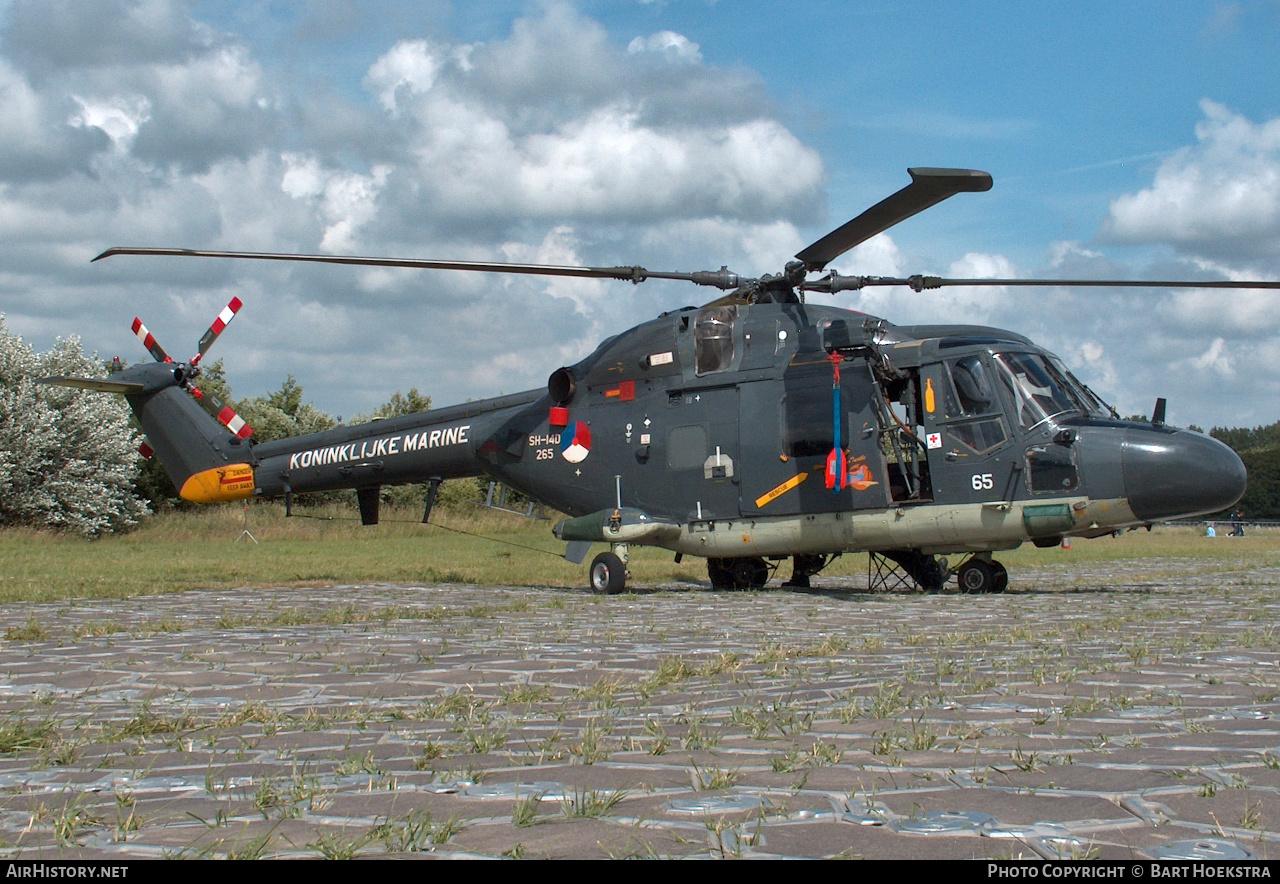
[[399, 404], [68, 458], [282, 414], [1259, 448]]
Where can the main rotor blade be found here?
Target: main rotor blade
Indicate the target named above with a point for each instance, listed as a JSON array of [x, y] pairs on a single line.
[[834, 282], [928, 187], [719, 278]]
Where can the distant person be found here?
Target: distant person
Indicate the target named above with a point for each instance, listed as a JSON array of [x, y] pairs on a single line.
[[1210, 532], [1237, 523]]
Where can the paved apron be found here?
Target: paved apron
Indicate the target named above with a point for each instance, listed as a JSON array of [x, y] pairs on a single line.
[[1117, 710]]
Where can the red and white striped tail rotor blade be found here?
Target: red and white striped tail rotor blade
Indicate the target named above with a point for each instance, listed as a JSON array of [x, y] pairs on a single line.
[[206, 340], [145, 449], [223, 412], [235, 423], [149, 341]]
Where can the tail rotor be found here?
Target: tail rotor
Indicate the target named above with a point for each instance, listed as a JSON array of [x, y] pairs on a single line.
[[211, 403]]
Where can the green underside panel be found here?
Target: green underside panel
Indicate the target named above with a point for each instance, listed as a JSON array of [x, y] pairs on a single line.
[[1047, 519]]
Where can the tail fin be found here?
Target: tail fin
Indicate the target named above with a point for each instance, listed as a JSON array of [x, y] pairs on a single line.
[[206, 461]]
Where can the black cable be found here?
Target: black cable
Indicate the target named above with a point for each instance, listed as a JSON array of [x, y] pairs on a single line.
[[483, 537], [434, 525]]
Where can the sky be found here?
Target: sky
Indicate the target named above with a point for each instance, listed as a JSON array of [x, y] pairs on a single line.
[[1126, 140]]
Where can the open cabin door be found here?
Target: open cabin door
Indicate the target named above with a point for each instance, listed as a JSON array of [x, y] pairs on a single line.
[[787, 433]]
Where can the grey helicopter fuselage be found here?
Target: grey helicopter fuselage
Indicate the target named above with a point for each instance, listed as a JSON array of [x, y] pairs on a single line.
[[721, 432], [706, 431]]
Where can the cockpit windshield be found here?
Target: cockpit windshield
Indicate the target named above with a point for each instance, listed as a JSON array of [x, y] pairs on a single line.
[[1088, 400], [1039, 390]]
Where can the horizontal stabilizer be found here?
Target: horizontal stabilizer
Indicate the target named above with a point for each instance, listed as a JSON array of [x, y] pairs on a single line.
[[97, 384]]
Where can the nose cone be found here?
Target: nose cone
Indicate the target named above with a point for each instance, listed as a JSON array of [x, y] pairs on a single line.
[[1171, 474]]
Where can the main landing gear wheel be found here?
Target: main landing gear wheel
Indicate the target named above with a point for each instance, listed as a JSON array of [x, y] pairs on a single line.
[[1002, 577], [979, 575], [608, 574], [745, 573]]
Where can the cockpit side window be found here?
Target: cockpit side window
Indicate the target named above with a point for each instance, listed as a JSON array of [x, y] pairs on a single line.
[[713, 338], [972, 385], [970, 406]]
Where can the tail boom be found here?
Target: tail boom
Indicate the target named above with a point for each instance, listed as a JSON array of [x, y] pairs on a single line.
[[210, 463]]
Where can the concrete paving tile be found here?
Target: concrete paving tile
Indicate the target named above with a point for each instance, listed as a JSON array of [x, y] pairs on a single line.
[[554, 839], [1237, 809], [1008, 807]]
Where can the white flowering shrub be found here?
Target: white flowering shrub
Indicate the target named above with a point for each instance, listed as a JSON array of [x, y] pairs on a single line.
[[68, 458]]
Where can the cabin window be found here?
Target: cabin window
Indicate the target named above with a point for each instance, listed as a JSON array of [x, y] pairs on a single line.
[[713, 338], [973, 390], [967, 392], [980, 436]]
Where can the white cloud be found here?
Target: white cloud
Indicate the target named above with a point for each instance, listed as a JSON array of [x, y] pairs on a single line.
[[608, 162], [345, 200], [1214, 359], [1219, 199], [1063, 253], [559, 248], [878, 256], [669, 45], [118, 116], [409, 65]]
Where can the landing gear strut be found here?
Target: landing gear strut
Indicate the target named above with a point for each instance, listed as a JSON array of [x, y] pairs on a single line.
[[803, 567]]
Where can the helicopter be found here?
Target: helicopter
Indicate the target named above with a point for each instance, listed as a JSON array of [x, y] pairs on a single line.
[[756, 428]]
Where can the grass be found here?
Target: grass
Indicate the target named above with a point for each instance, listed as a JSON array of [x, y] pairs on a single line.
[[198, 549]]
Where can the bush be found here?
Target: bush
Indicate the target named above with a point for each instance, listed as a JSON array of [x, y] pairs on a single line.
[[68, 458]]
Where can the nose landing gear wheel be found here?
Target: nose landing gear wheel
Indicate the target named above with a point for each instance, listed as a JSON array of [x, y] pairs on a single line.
[[977, 575], [608, 574]]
